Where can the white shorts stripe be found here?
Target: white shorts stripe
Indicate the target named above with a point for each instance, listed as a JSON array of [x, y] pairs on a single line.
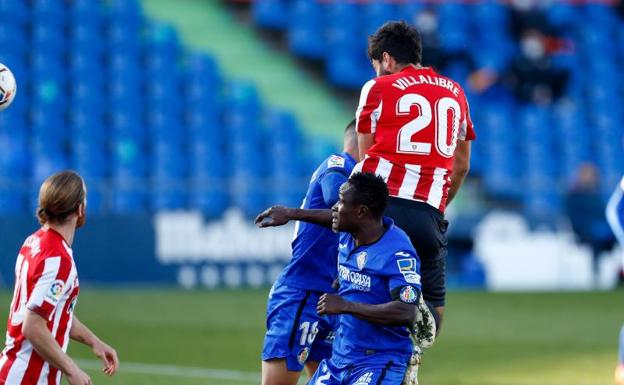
[[383, 169], [410, 181], [358, 167], [437, 187]]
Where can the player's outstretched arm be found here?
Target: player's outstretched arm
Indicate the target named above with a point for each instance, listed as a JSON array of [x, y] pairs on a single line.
[[461, 166], [79, 332], [280, 215], [36, 331], [393, 313]]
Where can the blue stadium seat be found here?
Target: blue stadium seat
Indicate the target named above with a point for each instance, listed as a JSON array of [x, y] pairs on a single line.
[[48, 38], [12, 197], [376, 13], [307, 29], [128, 159], [13, 38], [271, 13], [168, 194], [128, 197], [210, 196], [248, 192], [46, 162], [48, 11], [85, 39], [15, 11], [208, 161]]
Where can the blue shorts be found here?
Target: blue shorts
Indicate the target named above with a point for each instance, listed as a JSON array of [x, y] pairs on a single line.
[[383, 373], [295, 331]]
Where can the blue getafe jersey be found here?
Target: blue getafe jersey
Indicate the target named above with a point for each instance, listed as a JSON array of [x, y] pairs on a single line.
[[315, 248], [386, 270]]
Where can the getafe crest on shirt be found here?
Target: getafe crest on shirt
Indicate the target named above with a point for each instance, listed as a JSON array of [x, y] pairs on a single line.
[[361, 260]]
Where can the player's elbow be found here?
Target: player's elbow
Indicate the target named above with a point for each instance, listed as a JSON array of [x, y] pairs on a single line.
[[32, 324], [28, 329], [461, 169]]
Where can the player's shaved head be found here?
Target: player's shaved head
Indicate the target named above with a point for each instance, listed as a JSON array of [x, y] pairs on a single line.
[[350, 139]]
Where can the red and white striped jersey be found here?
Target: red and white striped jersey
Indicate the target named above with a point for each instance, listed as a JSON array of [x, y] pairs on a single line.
[[416, 117], [46, 282]]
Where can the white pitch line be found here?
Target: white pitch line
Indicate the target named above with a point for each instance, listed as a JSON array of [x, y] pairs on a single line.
[[177, 371]]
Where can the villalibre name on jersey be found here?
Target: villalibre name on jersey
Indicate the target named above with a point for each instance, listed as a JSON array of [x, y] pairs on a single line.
[[408, 81]]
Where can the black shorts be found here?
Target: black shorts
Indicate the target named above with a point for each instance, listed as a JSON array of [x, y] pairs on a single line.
[[426, 227]]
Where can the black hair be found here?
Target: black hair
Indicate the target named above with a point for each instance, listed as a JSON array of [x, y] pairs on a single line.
[[399, 39], [370, 190]]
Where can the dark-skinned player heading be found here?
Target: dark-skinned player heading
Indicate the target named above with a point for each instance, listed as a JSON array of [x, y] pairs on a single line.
[[378, 272]]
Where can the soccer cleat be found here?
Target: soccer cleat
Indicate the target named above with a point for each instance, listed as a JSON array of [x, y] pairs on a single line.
[[619, 374], [424, 329], [423, 335], [411, 373]]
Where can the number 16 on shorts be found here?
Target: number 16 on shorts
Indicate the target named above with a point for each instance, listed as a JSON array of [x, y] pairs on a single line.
[[308, 332]]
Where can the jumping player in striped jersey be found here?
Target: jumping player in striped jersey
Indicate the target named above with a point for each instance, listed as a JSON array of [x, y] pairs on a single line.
[[41, 319], [615, 217], [414, 130]]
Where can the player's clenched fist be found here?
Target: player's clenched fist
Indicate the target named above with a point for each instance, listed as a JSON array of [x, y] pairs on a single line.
[[279, 215], [331, 304]]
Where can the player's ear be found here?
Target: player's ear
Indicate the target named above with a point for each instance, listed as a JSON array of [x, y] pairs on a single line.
[[363, 211], [387, 61]]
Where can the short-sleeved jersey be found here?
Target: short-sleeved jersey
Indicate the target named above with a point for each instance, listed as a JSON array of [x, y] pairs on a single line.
[[386, 270], [46, 282], [314, 247], [416, 117]]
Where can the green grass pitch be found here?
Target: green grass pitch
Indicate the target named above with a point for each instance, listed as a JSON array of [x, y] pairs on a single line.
[[214, 337]]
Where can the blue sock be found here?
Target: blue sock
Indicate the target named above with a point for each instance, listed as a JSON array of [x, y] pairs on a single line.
[[621, 353]]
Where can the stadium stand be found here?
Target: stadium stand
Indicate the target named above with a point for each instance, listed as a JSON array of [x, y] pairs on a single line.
[[150, 125], [527, 151]]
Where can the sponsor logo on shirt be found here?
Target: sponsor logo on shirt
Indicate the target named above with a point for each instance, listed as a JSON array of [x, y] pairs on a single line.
[[407, 267], [364, 379], [408, 294], [359, 281], [56, 291], [361, 259], [335, 161]]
